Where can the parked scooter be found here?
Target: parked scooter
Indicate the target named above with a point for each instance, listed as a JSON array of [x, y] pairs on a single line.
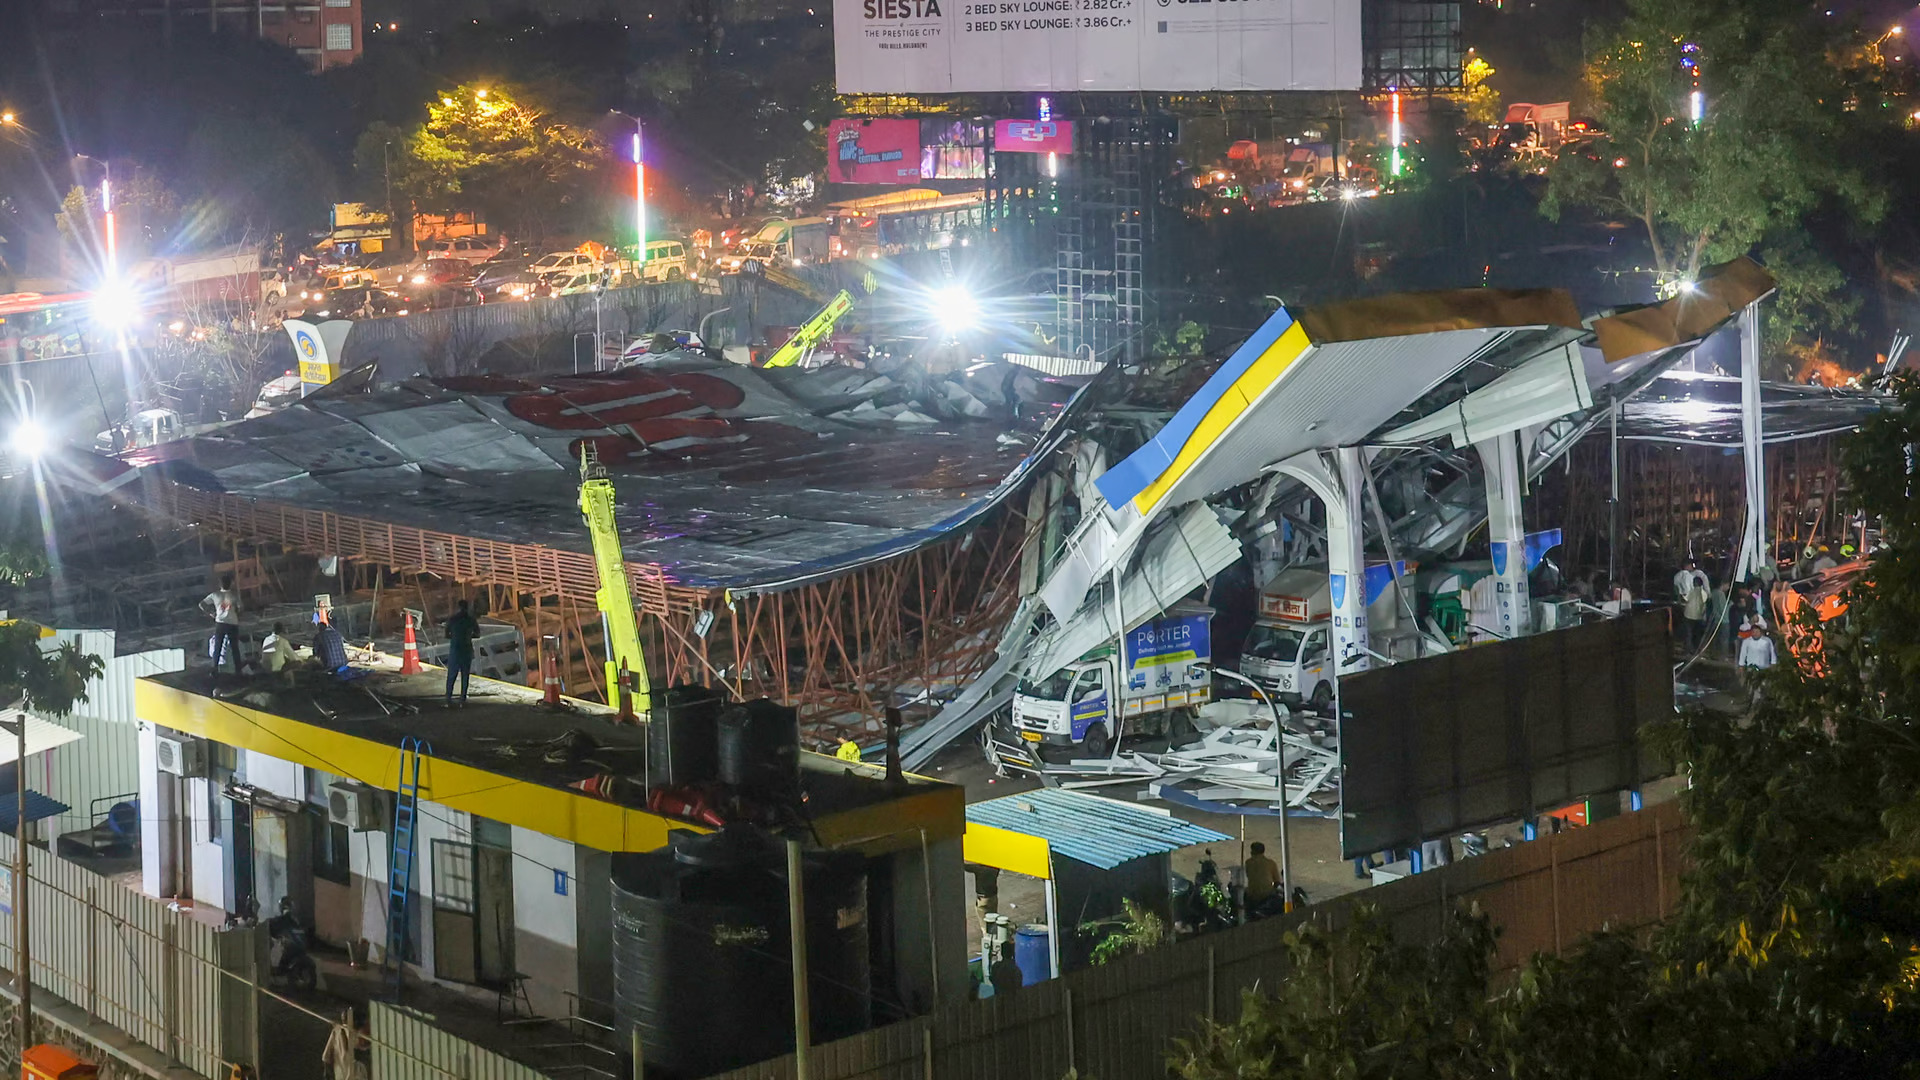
[[290, 963]]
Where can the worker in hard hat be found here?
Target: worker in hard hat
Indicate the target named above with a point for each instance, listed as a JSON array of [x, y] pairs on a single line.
[[848, 750], [1846, 552]]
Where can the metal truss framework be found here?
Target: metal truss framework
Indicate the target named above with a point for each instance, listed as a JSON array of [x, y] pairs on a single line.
[[923, 623], [1680, 501]]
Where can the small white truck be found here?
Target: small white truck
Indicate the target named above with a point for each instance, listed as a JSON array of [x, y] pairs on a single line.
[[1288, 650], [1089, 704]]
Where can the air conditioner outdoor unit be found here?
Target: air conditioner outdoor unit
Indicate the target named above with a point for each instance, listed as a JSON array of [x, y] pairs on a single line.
[[181, 755], [356, 806]]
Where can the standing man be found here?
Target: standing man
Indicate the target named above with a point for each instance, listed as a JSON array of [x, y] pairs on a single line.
[[224, 605], [1263, 878], [1756, 655], [1690, 591], [462, 628]]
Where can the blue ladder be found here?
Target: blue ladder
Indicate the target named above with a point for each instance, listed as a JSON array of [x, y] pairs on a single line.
[[400, 871]]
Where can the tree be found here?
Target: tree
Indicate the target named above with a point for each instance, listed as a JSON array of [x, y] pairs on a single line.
[[1774, 146], [1481, 102], [45, 681], [483, 148]]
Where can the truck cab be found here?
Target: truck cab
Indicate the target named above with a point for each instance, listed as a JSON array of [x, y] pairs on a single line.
[[1089, 704], [1287, 652], [1290, 660]]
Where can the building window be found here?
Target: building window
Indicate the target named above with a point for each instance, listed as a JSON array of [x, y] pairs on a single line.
[[332, 861], [340, 37], [339, 3]]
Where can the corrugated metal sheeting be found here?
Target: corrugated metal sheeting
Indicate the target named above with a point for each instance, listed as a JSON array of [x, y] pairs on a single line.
[[151, 972], [406, 1046], [1098, 832], [106, 761]]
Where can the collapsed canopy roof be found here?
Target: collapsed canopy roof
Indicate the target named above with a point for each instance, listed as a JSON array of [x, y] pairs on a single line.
[[727, 477]]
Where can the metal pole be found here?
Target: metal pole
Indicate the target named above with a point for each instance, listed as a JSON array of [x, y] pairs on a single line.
[[797, 932], [1053, 921], [1753, 548], [1613, 494], [22, 952], [1280, 744], [639, 1059], [926, 881]]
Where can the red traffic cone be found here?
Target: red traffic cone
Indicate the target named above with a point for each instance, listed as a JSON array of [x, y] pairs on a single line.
[[410, 651], [550, 668], [623, 691]]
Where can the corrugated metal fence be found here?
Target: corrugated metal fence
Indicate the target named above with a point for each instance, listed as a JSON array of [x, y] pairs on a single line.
[[151, 972], [1116, 1022], [406, 1046]]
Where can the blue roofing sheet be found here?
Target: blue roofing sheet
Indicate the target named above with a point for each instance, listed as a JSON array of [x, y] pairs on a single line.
[[39, 807], [1098, 832]]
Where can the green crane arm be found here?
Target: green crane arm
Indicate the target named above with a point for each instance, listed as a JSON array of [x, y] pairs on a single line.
[[812, 332], [615, 595]]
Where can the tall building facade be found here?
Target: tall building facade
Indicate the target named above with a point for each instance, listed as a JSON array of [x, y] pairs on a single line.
[[327, 33]]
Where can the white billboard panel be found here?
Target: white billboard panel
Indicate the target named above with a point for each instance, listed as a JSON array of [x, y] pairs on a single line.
[[965, 46]]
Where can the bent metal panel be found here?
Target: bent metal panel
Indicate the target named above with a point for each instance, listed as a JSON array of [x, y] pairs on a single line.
[[1449, 743], [961, 46]]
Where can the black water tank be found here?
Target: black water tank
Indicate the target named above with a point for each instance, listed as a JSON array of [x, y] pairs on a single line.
[[701, 960], [682, 740], [760, 749]]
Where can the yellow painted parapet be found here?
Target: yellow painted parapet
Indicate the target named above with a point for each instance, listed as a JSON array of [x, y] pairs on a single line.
[[933, 811]]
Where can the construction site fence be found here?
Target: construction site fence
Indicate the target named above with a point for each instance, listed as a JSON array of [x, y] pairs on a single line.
[[128, 961], [458, 341], [113, 967], [1118, 1021]]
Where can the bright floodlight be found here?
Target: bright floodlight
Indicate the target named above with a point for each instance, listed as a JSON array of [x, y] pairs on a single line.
[[28, 439], [956, 308], [113, 304]]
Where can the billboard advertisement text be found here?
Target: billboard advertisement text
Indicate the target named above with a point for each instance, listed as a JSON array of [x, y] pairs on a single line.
[[868, 151], [965, 46]]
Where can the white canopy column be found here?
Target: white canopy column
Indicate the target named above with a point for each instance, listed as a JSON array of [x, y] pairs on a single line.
[[1506, 534]]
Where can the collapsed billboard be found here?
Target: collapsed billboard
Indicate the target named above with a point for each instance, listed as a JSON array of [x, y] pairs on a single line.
[[1449, 743], [961, 46]]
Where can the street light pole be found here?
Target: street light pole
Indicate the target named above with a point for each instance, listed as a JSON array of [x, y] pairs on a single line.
[[1280, 748], [22, 954]]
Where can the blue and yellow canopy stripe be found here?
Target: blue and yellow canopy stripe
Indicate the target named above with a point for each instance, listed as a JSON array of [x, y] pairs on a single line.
[[1146, 476]]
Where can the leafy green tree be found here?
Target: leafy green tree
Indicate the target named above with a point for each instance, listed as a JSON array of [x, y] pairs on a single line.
[[485, 148], [46, 681], [1777, 143], [1479, 100]]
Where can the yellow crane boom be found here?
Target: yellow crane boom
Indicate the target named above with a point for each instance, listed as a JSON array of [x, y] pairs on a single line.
[[808, 336], [615, 595]]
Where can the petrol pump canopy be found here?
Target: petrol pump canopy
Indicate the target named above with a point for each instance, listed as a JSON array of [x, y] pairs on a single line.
[[1021, 832], [1332, 378]]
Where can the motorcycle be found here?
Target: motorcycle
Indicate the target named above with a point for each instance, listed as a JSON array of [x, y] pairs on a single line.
[[290, 964]]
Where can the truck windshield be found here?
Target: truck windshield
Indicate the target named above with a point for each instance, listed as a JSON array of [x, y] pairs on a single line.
[[1052, 688], [1274, 643]]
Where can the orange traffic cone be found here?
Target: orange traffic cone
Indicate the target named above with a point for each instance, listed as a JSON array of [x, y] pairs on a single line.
[[410, 651], [550, 666], [623, 690]]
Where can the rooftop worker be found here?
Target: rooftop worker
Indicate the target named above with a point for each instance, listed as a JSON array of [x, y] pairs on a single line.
[[462, 628], [224, 605], [1263, 877], [329, 648], [277, 650]]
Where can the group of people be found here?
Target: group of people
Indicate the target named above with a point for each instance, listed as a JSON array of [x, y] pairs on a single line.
[[1721, 615], [277, 651]]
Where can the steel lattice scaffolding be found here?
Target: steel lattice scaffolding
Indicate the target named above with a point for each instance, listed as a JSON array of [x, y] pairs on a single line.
[[1411, 45]]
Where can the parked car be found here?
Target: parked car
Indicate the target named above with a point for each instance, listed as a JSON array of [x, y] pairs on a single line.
[[439, 272], [489, 275], [563, 260], [363, 302], [520, 285], [473, 249], [572, 283], [666, 261]]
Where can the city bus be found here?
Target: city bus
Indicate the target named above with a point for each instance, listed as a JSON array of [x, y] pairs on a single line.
[[913, 219]]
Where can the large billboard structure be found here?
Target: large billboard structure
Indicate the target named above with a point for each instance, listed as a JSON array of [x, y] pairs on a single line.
[[973, 46], [1445, 744]]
